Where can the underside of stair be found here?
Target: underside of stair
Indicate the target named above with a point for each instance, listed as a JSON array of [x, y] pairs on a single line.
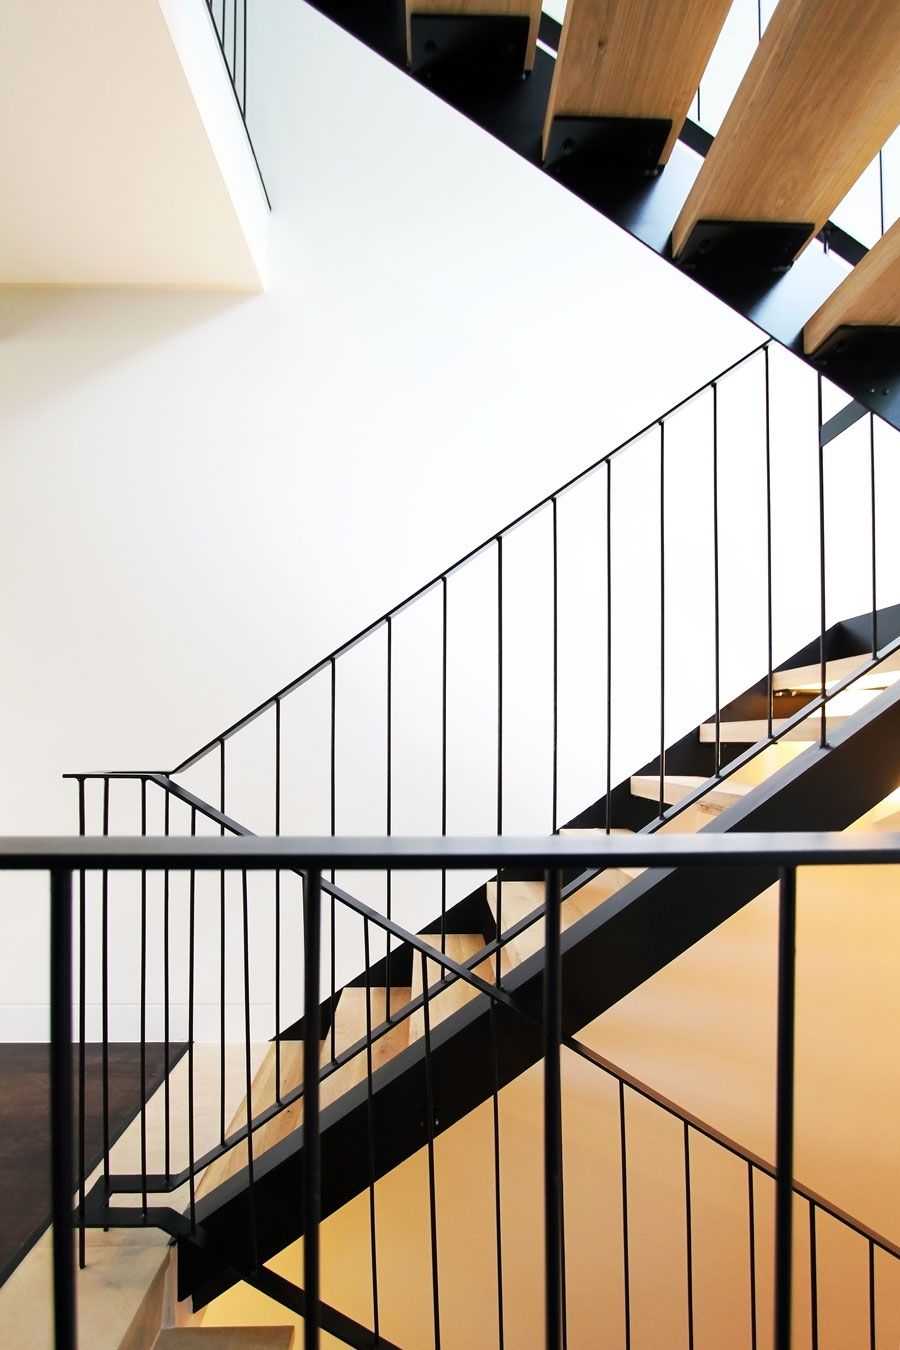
[[609, 947]]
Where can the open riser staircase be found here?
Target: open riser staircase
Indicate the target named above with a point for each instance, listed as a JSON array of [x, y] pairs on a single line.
[[405, 1055]]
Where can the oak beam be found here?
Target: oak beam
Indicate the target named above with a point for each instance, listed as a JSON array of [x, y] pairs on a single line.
[[868, 297], [633, 59], [819, 99]]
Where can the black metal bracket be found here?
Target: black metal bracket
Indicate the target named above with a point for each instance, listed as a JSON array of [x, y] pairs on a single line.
[[581, 149], [866, 362], [468, 46], [743, 245]]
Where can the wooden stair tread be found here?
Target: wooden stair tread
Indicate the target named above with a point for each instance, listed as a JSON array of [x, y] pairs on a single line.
[[597, 831], [678, 786], [225, 1338], [350, 1026], [519, 899], [633, 59], [262, 1095], [751, 730], [770, 160], [808, 678], [869, 296], [443, 1002]]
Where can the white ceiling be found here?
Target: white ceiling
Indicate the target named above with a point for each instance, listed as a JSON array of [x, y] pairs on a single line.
[[107, 166]]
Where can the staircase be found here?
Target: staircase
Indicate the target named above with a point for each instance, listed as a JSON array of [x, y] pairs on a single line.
[[442, 1024], [434, 1046], [607, 920], [604, 103]]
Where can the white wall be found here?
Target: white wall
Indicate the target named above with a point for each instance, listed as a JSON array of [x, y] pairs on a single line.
[[204, 494]]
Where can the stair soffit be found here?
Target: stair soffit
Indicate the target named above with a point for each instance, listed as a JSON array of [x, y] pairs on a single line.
[[126, 161]]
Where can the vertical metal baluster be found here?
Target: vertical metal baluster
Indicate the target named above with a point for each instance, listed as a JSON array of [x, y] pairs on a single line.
[[759, 22], [278, 906], [609, 630], [751, 1203], [192, 931], [499, 820], [823, 740], [443, 759], [104, 995], [234, 44], [662, 619], [248, 1074], [82, 1033], [498, 1214], [689, 1235], [222, 1029], [332, 923], [813, 1279], [555, 669], [61, 1107], [167, 1030], [553, 1111], [626, 1262], [312, 936], [143, 1015], [872, 512], [244, 90], [871, 1295], [770, 686], [716, 611], [429, 1114], [371, 1125], [389, 797], [784, 1124]]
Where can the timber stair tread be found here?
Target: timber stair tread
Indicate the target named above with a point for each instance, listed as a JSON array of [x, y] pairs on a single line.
[[677, 786], [350, 1027], [748, 731], [807, 678], [448, 997], [520, 899], [225, 1338]]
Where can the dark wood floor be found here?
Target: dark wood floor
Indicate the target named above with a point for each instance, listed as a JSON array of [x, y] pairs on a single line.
[[25, 1129]]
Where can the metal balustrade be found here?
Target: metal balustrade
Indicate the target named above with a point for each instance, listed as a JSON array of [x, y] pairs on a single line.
[[69, 860]]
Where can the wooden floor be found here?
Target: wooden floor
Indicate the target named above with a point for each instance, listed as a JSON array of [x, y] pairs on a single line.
[[25, 1129]]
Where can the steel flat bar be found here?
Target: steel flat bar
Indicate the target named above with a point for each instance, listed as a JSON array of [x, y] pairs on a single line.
[[258, 853], [336, 1323], [835, 426], [553, 1115], [312, 918], [784, 1108], [64, 1317]]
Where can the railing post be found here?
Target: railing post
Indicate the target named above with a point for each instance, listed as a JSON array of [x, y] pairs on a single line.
[[553, 1112], [61, 1104], [784, 1106], [312, 932]]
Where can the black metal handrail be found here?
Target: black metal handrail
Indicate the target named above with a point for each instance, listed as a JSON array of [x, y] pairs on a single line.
[[64, 858]]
